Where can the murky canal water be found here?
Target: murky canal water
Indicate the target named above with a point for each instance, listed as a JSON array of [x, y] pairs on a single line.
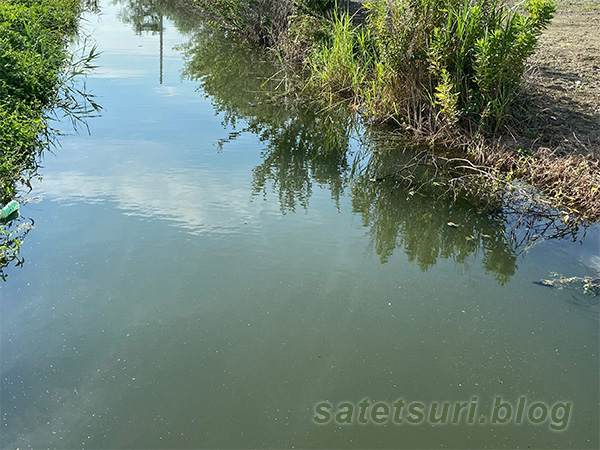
[[202, 274]]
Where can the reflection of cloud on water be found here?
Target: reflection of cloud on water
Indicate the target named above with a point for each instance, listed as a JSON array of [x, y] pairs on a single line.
[[107, 72], [595, 263], [168, 91], [194, 199]]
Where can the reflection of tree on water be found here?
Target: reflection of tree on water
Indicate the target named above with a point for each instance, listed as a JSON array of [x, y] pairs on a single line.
[[307, 149], [418, 223], [144, 15], [148, 16], [12, 234], [303, 147]]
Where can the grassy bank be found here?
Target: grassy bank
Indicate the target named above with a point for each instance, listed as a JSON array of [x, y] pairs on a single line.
[[33, 58], [448, 72]]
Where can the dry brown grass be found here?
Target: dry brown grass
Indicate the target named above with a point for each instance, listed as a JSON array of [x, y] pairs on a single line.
[[572, 181], [562, 128]]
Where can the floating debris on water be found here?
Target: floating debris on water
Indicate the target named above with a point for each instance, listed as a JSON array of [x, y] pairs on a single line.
[[588, 285], [9, 209]]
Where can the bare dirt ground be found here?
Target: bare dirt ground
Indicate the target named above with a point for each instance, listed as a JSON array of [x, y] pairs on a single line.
[[562, 130], [563, 82]]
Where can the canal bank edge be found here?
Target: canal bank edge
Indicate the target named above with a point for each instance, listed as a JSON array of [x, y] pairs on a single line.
[[555, 152], [33, 60]]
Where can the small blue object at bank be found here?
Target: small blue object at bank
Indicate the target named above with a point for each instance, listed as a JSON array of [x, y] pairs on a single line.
[[10, 208]]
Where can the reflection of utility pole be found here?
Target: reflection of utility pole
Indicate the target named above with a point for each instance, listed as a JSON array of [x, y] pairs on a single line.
[[160, 29]]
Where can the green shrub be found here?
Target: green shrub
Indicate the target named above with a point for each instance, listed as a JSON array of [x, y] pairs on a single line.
[[480, 52], [36, 76], [32, 57], [341, 63], [429, 63]]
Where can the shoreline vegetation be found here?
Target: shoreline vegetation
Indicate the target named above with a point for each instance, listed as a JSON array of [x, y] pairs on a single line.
[[37, 79], [33, 55], [451, 74]]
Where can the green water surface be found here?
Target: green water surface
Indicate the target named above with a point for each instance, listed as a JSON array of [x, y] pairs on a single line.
[[207, 265]]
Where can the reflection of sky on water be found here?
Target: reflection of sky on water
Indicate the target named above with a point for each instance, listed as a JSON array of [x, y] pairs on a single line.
[[169, 91], [125, 56], [153, 152], [160, 180], [199, 201], [116, 39], [571, 258], [105, 72]]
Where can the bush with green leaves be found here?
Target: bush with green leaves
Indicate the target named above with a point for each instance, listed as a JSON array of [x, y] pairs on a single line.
[[477, 58], [430, 63], [32, 57]]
